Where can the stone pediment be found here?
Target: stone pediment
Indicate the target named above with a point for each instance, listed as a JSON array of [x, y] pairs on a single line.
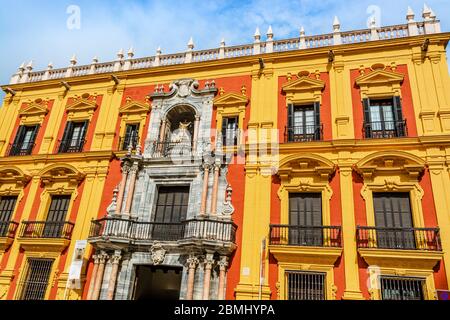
[[133, 106], [34, 109], [389, 162], [184, 88], [303, 84], [11, 174], [231, 99], [306, 165], [81, 104], [379, 77], [61, 173]]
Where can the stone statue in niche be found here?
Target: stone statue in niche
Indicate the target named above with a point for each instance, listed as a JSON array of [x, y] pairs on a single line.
[[182, 134]]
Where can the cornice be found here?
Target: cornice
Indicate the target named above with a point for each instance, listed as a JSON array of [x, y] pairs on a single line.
[[63, 157], [247, 61]]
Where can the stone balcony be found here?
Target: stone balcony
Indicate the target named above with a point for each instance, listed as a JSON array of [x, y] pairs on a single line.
[[208, 232]]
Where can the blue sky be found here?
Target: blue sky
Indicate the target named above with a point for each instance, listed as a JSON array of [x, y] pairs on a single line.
[[37, 30]]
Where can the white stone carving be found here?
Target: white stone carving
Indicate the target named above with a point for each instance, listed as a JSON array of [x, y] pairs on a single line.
[[158, 253]]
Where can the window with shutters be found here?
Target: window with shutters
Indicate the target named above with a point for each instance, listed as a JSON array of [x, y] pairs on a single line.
[[74, 137], [56, 217], [230, 131], [305, 219], [36, 279], [304, 123], [400, 288], [7, 206], [171, 211], [131, 138], [24, 141], [305, 285], [383, 118], [393, 220]]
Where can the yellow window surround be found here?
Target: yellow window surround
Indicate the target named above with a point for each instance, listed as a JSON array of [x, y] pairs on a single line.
[[34, 113], [304, 89], [379, 83], [81, 108], [231, 105], [134, 112], [392, 171], [429, 289]]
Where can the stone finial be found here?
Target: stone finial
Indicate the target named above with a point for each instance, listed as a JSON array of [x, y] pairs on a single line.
[[373, 23], [138, 150], [257, 34], [213, 84], [222, 43], [410, 14], [432, 14], [302, 31], [426, 12], [50, 66], [95, 60], [73, 60], [158, 51], [22, 67], [244, 90], [336, 24], [30, 66], [191, 44], [269, 32], [120, 54], [130, 53]]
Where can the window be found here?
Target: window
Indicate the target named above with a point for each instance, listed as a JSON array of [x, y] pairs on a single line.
[[24, 141], [395, 288], [383, 118], [305, 219], [74, 137], [7, 205], [56, 217], [171, 210], [304, 123], [230, 131], [305, 285], [36, 279], [131, 136], [393, 220]]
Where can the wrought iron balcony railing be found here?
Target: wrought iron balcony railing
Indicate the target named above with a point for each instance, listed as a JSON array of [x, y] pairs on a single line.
[[399, 238], [304, 133], [71, 146], [46, 229], [20, 149], [308, 236], [385, 129], [8, 229], [193, 229], [171, 149]]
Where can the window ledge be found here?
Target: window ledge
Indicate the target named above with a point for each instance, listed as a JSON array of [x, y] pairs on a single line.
[[394, 258], [43, 244], [313, 255]]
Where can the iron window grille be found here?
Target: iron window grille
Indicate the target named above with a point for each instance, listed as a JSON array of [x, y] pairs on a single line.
[[35, 280], [305, 285], [397, 288]]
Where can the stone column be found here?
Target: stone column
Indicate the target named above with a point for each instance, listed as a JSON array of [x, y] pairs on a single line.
[[162, 130], [205, 188], [93, 277], [209, 261], [192, 264], [115, 259], [99, 278], [133, 171], [195, 138], [352, 289], [123, 182], [223, 264], [215, 189]]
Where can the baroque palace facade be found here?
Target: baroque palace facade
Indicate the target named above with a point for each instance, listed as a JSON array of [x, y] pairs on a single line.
[[315, 167]]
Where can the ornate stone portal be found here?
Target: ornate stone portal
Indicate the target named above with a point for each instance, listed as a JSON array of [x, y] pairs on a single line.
[[200, 243]]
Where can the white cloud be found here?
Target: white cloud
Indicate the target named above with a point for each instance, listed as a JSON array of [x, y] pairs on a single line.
[[37, 30]]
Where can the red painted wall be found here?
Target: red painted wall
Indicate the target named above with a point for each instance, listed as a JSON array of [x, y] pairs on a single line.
[[407, 105]]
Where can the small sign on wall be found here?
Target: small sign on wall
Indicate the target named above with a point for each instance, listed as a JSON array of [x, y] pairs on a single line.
[[76, 265]]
